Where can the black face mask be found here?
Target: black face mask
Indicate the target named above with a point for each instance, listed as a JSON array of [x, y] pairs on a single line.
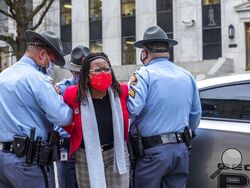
[[145, 57]]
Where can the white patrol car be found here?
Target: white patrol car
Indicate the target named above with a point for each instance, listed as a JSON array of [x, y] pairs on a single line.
[[220, 156]]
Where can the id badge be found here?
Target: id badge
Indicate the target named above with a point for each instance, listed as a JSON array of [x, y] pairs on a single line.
[[64, 155]]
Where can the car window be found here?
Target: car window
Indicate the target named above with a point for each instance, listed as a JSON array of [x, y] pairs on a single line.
[[230, 102]]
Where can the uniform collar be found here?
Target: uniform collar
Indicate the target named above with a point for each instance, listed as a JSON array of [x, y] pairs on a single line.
[[29, 61], [158, 59]]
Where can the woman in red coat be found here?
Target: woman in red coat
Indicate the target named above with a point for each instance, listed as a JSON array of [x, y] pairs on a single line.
[[100, 125]]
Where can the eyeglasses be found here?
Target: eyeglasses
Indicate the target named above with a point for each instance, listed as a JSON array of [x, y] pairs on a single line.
[[99, 70]]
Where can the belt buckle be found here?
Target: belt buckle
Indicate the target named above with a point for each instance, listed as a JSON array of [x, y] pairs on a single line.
[[178, 137], [164, 139], [1, 146]]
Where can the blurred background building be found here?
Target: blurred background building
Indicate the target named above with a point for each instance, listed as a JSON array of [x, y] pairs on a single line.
[[213, 35]]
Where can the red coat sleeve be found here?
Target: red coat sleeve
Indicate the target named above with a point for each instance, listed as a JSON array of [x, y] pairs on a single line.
[[123, 99], [69, 98]]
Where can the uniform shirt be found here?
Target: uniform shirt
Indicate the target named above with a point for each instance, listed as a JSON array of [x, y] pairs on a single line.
[[28, 99], [61, 131], [163, 98], [65, 83]]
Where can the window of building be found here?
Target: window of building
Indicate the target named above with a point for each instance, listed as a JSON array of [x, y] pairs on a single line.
[[128, 8], [210, 2], [95, 25], [128, 31], [128, 50], [228, 102], [165, 19], [65, 25], [211, 29], [95, 46], [95, 10]]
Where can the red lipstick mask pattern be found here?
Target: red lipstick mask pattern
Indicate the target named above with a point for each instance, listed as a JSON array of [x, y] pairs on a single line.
[[101, 82]]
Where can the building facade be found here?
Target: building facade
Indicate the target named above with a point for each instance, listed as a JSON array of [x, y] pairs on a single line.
[[213, 35], [5, 54]]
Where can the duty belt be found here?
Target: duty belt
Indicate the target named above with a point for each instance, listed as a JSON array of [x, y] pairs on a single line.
[[43, 153], [6, 146], [168, 138]]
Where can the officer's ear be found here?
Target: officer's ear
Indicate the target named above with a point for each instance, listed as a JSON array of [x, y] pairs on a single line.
[[42, 55], [144, 55]]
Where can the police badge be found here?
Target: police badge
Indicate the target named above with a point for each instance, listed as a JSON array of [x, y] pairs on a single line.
[[132, 92]]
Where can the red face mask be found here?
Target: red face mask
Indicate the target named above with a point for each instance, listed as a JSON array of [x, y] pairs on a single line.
[[101, 82]]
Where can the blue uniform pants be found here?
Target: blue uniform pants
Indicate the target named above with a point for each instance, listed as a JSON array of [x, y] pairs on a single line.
[[164, 166], [16, 173]]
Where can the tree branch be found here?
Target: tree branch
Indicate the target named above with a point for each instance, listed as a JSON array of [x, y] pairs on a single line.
[[9, 3], [38, 8], [9, 39], [43, 15], [6, 14], [11, 7]]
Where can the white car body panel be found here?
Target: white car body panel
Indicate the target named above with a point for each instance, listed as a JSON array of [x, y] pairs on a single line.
[[215, 135], [225, 126], [223, 80]]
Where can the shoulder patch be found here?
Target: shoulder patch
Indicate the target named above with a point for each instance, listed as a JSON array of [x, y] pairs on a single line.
[[132, 92], [133, 80]]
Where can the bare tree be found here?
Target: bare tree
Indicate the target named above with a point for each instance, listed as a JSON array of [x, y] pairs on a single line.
[[23, 12]]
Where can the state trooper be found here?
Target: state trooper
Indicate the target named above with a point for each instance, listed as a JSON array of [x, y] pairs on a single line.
[[67, 175], [73, 64], [28, 103], [163, 105]]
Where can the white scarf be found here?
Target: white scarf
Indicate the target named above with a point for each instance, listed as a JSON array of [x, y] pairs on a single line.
[[92, 140]]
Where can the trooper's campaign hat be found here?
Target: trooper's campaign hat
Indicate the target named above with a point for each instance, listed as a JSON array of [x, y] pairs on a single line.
[[155, 34], [75, 58], [50, 40]]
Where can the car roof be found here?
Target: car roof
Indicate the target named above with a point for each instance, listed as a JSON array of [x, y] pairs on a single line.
[[223, 80]]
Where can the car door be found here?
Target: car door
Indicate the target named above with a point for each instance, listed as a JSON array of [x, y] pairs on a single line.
[[225, 126]]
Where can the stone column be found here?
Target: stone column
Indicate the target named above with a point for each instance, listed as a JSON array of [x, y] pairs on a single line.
[[145, 17], [233, 12], [80, 22], [111, 30], [187, 22]]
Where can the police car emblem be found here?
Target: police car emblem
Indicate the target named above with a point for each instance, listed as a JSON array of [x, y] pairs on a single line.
[[76, 111]]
